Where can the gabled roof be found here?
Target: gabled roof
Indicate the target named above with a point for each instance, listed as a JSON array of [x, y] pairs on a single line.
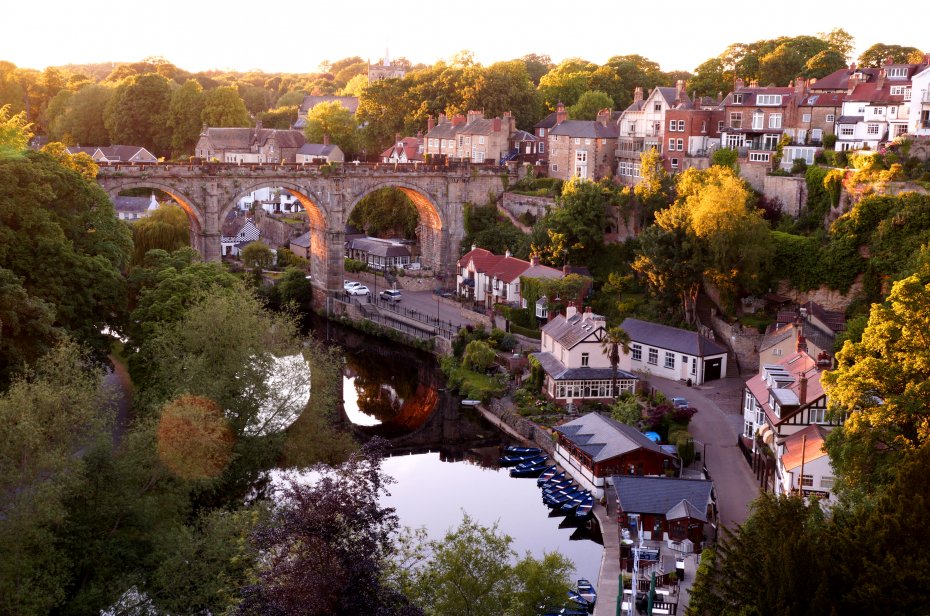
[[244, 138], [839, 80], [380, 247], [409, 146], [785, 378], [547, 122], [134, 204], [568, 332], [672, 498], [303, 240], [504, 268], [522, 135], [671, 338], [795, 445], [875, 93], [557, 371], [750, 96], [240, 229], [589, 129], [603, 438], [823, 99]]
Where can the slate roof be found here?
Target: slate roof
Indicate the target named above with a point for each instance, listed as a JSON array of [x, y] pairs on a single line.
[[547, 122], [671, 338], [558, 372], [379, 247], [317, 149], [522, 135], [589, 129], [133, 204], [243, 138], [794, 445], [839, 80], [303, 240], [849, 119], [246, 231], [796, 365], [603, 438], [569, 331], [823, 99], [309, 102], [873, 93], [673, 498]]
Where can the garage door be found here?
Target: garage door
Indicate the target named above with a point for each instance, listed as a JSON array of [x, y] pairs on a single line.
[[712, 369]]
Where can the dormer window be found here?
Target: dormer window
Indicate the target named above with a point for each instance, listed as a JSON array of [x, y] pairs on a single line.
[[769, 99], [897, 72], [737, 99]]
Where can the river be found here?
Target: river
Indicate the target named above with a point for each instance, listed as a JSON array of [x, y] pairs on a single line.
[[444, 457]]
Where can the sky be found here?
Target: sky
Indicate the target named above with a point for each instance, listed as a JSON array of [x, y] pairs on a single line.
[[290, 36]]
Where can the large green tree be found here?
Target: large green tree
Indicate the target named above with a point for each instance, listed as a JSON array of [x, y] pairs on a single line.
[[222, 107], [566, 82], [139, 112], [876, 55], [335, 122], [575, 226], [186, 117], [589, 104], [167, 228], [82, 122]]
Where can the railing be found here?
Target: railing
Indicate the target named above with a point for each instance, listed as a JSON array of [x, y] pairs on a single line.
[[512, 154], [416, 315]]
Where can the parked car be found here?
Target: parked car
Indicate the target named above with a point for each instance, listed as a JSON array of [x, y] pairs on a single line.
[[413, 266], [391, 295], [681, 403], [348, 284], [358, 290]]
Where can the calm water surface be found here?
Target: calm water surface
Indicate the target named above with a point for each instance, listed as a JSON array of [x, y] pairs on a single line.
[[444, 458]]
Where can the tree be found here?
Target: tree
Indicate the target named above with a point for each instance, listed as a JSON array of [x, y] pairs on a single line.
[[326, 543], [589, 104], [167, 228], [27, 327], [876, 55], [139, 111], [52, 221], [882, 384], [539, 582], [840, 41], [82, 121], [655, 189], [257, 255], [46, 418], [537, 65], [194, 439], [334, 121], [15, 132], [615, 339], [824, 63], [788, 59], [505, 87], [711, 78], [566, 82], [222, 107], [186, 117], [81, 162], [579, 216], [355, 86], [479, 356]]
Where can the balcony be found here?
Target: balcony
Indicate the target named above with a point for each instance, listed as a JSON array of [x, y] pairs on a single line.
[[925, 96]]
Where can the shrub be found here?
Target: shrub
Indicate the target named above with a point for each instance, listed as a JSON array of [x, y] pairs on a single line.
[[829, 142], [798, 165], [354, 266], [478, 356]]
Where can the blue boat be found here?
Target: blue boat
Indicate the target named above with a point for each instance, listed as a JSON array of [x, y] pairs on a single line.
[[522, 470], [564, 611], [517, 458], [561, 498], [577, 598], [570, 488], [586, 590], [584, 509], [573, 503], [515, 449], [547, 474], [558, 487], [539, 460], [554, 479]]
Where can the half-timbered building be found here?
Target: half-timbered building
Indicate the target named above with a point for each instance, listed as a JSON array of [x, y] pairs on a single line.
[[594, 447]]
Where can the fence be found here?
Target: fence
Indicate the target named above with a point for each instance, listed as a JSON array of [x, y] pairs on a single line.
[[416, 315], [371, 312]]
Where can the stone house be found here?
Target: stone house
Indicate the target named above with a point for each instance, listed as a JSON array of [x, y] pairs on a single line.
[[473, 137], [249, 145], [582, 148], [541, 130], [300, 245], [325, 152], [672, 353], [756, 118], [575, 362], [594, 448]]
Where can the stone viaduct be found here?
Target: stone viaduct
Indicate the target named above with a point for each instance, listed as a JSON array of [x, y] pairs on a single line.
[[208, 192]]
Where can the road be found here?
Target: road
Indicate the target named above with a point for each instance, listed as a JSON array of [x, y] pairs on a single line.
[[424, 302], [716, 424]]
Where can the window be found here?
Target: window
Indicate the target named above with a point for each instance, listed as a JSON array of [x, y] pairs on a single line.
[[775, 120], [757, 119], [704, 126], [671, 144], [577, 140], [831, 118], [542, 147], [770, 142], [555, 167], [480, 140], [827, 482], [584, 360], [653, 357], [681, 126], [735, 141], [846, 131], [637, 352], [818, 415], [878, 111], [872, 129], [807, 481], [720, 126], [769, 99], [694, 365], [581, 156], [897, 72], [737, 99], [672, 125], [674, 163], [587, 142], [805, 117], [776, 352], [736, 119], [669, 360], [748, 429], [461, 140], [681, 145], [758, 157], [747, 401], [657, 106]]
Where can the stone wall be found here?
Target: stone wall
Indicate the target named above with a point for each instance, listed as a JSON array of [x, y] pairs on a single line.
[[518, 204], [743, 342], [826, 297], [790, 191], [523, 426], [754, 175]]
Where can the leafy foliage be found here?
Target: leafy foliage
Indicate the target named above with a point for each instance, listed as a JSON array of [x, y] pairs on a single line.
[[386, 212], [167, 228], [194, 439]]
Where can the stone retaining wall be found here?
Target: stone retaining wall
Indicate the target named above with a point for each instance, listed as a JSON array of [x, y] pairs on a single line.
[[791, 192], [523, 426]]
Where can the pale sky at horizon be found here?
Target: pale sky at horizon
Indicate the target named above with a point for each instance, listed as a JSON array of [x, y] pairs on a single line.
[[200, 35]]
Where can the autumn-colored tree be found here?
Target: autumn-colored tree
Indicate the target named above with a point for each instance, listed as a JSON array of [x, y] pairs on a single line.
[[15, 132], [194, 439], [80, 162]]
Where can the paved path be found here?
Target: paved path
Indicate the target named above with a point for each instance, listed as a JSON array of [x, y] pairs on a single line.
[[608, 582], [716, 424]]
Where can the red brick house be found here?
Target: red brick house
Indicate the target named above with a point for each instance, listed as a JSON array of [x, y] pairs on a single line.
[[595, 447]]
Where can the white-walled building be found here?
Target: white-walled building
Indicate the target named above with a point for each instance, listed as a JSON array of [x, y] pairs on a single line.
[[272, 200], [491, 279], [672, 353], [576, 362], [803, 464], [920, 103]]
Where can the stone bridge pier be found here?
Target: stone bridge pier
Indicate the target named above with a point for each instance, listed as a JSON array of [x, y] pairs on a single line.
[[209, 192]]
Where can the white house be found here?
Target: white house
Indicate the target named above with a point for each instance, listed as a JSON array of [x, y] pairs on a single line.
[[575, 361], [803, 464], [672, 353], [272, 200], [325, 152], [920, 103], [487, 278], [879, 110], [236, 234], [134, 208]]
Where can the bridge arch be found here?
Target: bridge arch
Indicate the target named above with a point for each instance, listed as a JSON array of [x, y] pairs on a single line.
[[326, 236], [432, 217], [189, 205]]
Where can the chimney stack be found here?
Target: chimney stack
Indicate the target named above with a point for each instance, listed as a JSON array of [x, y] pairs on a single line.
[[587, 314], [637, 94], [325, 139], [560, 114], [429, 123], [802, 388], [603, 116], [507, 254], [738, 84], [442, 118], [497, 125], [570, 310], [458, 120], [534, 260], [397, 138], [679, 89], [474, 115], [881, 79], [800, 85], [801, 346]]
